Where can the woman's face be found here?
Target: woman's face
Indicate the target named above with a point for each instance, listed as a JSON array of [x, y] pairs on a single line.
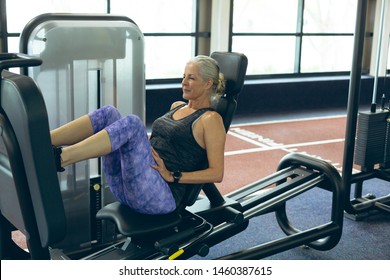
[[193, 85]]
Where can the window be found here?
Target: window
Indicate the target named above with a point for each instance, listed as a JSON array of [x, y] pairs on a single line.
[[279, 36], [169, 28], [294, 36], [20, 12], [328, 28]]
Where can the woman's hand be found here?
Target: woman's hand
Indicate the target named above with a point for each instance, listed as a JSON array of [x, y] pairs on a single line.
[[160, 167]]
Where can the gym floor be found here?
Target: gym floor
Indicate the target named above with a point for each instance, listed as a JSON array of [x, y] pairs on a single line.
[[254, 148]]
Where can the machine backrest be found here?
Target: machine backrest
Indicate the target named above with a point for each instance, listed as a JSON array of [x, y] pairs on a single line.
[[233, 66], [30, 197]]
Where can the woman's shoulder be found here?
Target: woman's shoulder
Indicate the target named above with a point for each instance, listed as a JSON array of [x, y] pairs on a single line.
[[211, 118], [177, 103]]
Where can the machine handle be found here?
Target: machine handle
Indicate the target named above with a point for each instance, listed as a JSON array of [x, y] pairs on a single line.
[[11, 60]]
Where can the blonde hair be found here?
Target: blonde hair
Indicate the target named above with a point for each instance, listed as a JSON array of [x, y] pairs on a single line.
[[209, 69]]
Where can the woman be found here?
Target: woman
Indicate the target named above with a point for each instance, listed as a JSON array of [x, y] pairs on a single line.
[[186, 146]]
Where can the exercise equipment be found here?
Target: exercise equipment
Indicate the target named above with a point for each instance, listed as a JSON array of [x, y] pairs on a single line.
[[26, 173], [367, 134], [88, 61], [31, 200]]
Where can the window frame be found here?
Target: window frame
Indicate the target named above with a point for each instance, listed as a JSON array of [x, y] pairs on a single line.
[[197, 35], [299, 35], [202, 35]]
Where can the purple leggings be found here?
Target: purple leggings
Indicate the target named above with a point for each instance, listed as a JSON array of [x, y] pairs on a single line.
[[127, 168]]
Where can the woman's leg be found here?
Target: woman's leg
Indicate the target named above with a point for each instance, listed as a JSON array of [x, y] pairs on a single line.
[[94, 146], [86, 136], [138, 185], [72, 132], [84, 126]]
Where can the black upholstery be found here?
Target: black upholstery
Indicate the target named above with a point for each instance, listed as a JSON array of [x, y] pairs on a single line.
[[30, 198], [131, 223], [233, 66]]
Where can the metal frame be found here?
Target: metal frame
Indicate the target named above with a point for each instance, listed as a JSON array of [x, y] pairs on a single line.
[[360, 206]]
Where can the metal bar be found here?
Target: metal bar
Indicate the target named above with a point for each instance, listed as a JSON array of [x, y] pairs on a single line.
[[353, 100], [3, 27], [285, 243], [262, 183], [281, 198], [277, 190]]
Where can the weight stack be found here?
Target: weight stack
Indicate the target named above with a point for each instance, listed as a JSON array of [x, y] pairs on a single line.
[[372, 139]]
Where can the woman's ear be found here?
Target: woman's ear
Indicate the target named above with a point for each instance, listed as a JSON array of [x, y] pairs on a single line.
[[209, 84]]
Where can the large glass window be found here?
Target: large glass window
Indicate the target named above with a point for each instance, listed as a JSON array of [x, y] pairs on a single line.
[[267, 54], [328, 27], [20, 12], [294, 36], [169, 28], [326, 54], [278, 36], [265, 16]]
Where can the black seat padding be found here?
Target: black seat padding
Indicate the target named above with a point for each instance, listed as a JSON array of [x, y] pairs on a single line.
[[233, 66], [30, 197], [122, 214]]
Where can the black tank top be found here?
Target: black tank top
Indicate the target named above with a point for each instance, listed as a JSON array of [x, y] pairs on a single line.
[[176, 145]]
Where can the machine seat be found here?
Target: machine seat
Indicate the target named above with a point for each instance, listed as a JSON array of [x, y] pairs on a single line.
[[131, 223]]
